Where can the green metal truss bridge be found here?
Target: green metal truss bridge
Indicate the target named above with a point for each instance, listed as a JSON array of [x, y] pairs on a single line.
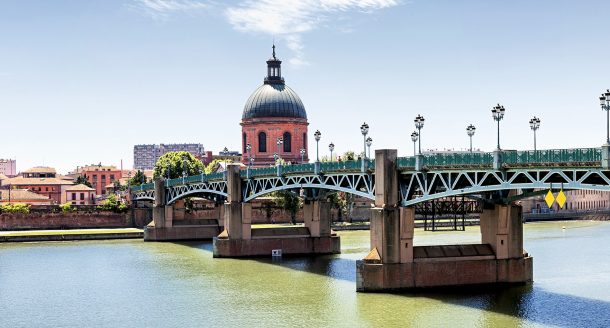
[[421, 178]]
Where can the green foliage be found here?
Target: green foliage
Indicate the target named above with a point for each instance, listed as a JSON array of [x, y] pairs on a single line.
[[138, 179], [344, 202], [81, 179], [177, 162], [15, 208], [289, 202], [348, 155], [67, 207], [213, 166], [112, 203]]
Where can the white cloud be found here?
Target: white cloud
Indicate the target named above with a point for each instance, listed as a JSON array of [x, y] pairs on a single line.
[[289, 19], [161, 9], [284, 19]]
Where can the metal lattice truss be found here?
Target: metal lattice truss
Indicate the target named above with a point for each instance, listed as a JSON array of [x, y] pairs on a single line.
[[205, 189], [144, 195], [416, 187], [359, 184]]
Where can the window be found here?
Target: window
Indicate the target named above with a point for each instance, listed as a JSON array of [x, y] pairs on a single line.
[[262, 142], [103, 177], [287, 142], [304, 140], [73, 196], [112, 177], [244, 143], [95, 177], [46, 188], [82, 196]]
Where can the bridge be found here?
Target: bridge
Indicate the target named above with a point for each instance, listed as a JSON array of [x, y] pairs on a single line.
[[395, 184]]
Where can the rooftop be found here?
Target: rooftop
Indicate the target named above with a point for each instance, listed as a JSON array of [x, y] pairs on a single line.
[[21, 194], [79, 187], [19, 181], [41, 169]]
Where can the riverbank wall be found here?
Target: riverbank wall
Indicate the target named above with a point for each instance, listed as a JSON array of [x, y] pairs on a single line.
[[68, 220]]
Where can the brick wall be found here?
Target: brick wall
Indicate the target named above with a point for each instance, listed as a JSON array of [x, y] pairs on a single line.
[[33, 221]]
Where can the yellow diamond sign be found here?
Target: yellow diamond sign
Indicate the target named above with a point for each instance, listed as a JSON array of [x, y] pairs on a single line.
[[549, 199], [561, 199]]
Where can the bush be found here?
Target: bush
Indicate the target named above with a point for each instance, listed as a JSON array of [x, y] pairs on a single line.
[[112, 204], [67, 207], [15, 208]]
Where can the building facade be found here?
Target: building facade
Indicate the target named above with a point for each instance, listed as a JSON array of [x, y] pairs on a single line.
[[576, 201], [100, 176], [8, 167], [40, 172], [274, 121], [79, 195], [145, 156], [52, 188]]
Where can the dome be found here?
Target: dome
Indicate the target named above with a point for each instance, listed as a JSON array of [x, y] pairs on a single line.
[[274, 100]]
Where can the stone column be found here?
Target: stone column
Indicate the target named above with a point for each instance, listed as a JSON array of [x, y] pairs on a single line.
[[502, 228], [317, 218], [237, 216], [391, 226], [220, 214], [159, 203]]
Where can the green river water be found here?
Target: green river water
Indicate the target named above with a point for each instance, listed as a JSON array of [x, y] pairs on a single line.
[[129, 283]]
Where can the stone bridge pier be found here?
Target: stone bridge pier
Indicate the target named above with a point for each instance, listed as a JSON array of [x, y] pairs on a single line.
[[170, 225], [394, 263], [238, 239]]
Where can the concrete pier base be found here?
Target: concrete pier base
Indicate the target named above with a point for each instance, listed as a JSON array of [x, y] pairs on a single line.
[[442, 271], [182, 232], [291, 241]]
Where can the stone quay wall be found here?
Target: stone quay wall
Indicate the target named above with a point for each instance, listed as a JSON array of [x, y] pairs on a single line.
[[72, 220]]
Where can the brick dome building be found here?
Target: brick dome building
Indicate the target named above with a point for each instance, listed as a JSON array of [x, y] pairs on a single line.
[[274, 121]]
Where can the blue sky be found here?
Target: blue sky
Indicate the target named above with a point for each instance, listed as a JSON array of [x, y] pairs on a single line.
[[83, 81]]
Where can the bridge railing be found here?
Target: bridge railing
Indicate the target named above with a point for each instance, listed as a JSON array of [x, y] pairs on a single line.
[[142, 187], [547, 156]]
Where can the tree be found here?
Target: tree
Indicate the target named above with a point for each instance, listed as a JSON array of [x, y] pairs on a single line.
[[289, 202], [81, 179], [177, 162], [213, 166], [349, 155], [138, 179], [112, 203]]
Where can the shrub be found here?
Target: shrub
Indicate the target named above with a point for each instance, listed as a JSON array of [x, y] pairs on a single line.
[[112, 204], [15, 208], [67, 207]]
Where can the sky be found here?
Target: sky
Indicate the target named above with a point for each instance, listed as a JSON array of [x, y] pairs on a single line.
[[82, 82]]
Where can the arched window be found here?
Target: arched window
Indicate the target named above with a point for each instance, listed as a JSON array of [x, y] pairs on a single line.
[[262, 142], [287, 142], [305, 140], [244, 143]]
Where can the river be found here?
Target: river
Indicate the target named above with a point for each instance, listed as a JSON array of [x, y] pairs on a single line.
[[130, 283]]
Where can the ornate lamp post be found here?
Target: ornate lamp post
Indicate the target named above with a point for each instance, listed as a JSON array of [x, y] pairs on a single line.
[[419, 124], [279, 142], [331, 147], [249, 149], [302, 152], [535, 125], [369, 142], [364, 128], [470, 131], [498, 115], [604, 101], [414, 137], [317, 135]]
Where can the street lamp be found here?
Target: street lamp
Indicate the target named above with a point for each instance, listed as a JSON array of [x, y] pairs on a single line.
[[369, 142], [470, 131], [279, 142], [498, 115], [364, 128], [317, 135], [331, 147], [414, 137], [419, 124], [535, 125], [302, 151], [604, 101], [248, 149]]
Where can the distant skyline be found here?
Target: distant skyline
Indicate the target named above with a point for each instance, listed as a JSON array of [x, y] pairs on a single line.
[[82, 82]]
